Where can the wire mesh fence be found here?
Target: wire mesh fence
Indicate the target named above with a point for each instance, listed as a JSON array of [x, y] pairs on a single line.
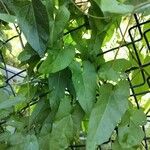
[[139, 71]]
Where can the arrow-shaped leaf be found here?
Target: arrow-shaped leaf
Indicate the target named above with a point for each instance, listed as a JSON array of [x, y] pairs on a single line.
[[111, 105]]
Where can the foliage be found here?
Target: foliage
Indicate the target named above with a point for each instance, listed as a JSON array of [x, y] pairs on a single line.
[[69, 89]]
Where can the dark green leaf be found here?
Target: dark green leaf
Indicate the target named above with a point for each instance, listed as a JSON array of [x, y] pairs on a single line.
[[58, 23], [57, 60], [84, 80]]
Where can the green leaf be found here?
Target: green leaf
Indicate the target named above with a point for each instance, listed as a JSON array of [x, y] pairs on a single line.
[[27, 53], [110, 107], [130, 133], [137, 76], [141, 6], [19, 141], [8, 18], [57, 85], [58, 24], [114, 6], [84, 80], [114, 69], [57, 60], [65, 108], [33, 20], [31, 143], [98, 25], [4, 95], [138, 117], [130, 136], [60, 136], [12, 102]]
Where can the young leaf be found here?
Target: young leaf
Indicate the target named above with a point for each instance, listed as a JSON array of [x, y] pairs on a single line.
[[111, 105], [57, 60], [84, 81]]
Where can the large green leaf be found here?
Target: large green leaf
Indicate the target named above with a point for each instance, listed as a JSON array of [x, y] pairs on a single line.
[[61, 136], [33, 20], [84, 80], [110, 107], [141, 6], [114, 6], [57, 60]]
